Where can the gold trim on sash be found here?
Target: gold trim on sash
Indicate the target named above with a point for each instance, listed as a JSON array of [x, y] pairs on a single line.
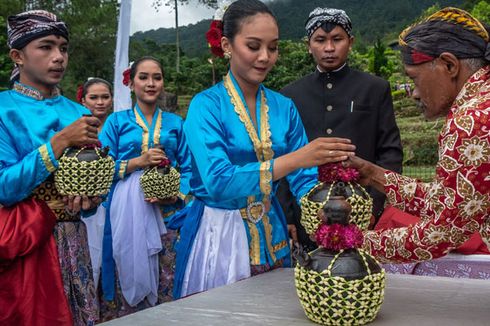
[[43, 150], [280, 245], [268, 236], [254, 243]]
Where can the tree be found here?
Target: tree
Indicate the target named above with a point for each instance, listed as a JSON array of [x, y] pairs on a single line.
[[92, 25], [482, 11], [378, 59], [175, 6], [294, 62], [429, 11], [7, 8]]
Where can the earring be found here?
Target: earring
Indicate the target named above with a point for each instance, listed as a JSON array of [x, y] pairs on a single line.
[[227, 55]]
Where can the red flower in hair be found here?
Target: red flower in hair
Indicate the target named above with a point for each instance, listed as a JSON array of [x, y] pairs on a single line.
[[80, 93], [217, 24], [213, 36], [126, 76]]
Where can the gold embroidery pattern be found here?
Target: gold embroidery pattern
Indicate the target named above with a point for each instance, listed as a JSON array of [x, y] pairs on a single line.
[[279, 246], [182, 196], [465, 123], [435, 234], [263, 147], [449, 141], [146, 133], [33, 93], [448, 163], [122, 169], [265, 178], [46, 159], [264, 153], [157, 130], [254, 243]]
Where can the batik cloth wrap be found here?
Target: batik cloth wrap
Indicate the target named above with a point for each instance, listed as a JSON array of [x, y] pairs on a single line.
[[449, 30], [320, 16], [30, 25]]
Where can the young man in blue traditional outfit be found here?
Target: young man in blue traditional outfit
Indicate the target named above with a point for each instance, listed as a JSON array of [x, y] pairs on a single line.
[[36, 125]]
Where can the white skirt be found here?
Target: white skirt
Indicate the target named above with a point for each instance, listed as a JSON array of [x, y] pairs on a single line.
[[220, 253], [95, 234], [137, 227]]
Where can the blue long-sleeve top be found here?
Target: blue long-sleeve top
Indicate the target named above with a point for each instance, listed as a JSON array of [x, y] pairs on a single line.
[[128, 135], [225, 168], [27, 123]]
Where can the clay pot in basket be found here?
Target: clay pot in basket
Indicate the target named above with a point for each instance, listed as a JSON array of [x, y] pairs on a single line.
[[360, 201], [338, 287], [162, 181], [85, 171]]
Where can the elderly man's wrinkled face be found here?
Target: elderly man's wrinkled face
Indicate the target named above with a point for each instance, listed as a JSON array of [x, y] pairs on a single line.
[[434, 89]]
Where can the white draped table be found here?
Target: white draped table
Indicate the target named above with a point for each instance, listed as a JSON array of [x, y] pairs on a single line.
[[270, 299]]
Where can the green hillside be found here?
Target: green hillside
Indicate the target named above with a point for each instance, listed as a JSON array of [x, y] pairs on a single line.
[[372, 19]]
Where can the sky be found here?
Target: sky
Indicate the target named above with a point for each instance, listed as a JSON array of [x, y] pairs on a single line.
[[144, 17]]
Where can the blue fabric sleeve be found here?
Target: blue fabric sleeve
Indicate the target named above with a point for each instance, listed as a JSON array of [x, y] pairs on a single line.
[[184, 160], [222, 179], [109, 136], [20, 176]]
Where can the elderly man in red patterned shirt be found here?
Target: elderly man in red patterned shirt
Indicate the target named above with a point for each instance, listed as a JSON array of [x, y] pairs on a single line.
[[448, 58]]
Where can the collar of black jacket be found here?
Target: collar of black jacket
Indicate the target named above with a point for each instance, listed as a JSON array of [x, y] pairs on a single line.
[[332, 75]]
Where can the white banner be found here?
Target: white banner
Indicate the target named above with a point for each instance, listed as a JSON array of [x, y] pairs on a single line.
[[122, 94]]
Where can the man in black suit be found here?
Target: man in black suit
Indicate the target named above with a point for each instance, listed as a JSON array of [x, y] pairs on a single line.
[[337, 101]]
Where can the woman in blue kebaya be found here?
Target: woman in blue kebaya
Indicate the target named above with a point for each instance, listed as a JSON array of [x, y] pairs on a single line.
[[138, 138], [243, 138]]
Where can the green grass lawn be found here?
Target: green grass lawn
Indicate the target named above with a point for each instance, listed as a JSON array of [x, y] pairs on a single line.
[[424, 173]]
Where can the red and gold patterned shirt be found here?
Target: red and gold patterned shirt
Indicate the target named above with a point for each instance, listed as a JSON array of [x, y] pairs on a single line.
[[457, 203]]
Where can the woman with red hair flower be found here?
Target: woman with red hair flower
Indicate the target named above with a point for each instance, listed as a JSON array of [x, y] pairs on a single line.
[[138, 258], [243, 138]]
